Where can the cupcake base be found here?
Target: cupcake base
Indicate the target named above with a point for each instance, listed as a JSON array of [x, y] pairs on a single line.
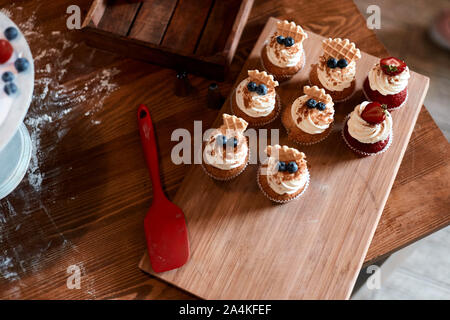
[[298, 136], [393, 101], [275, 197], [338, 96], [255, 122], [365, 149], [224, 175], [281, 74]]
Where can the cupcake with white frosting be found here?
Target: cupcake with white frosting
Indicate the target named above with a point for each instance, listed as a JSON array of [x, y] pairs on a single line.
[[310, 117], [226, 152], [368, 129], [255, 99], [336, 69], [16, 70], [387, 83], [283, 55], [284, 176]]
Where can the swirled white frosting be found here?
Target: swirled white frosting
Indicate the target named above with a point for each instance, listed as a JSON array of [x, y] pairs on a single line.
[[225, 158], [312, 121], [386, 84], [253, 104], [281, 186], [283, 56], [336, 79], [365, 132]]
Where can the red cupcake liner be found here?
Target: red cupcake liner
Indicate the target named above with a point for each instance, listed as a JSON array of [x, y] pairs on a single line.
[[389, 100], [363, 153]]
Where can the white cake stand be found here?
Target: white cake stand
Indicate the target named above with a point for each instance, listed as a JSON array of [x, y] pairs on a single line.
[[14, 161], [15, 142]]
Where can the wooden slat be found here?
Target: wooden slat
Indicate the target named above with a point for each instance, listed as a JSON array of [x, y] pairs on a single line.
[[170, 28], [245, 247], [152, 20], [95, 13], [236, 30], [119, 16], [186, 25], [218, 27], [137, 49]]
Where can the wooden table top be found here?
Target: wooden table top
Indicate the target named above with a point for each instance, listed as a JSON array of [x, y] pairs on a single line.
[[87, 191]]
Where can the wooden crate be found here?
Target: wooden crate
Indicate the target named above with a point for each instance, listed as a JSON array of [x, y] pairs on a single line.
[[198, 36], [245, 247]]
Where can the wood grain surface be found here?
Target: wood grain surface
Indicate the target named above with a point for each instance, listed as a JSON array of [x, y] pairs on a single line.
[[95, 191], [196, 36], [151, 21], [245, 247]]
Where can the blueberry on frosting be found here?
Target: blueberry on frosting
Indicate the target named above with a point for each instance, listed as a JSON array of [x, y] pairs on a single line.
[[233, 142], [7, 76], [11, 33], [10, 88], [320, 106], [221, 140], [280, 39], [311, 103], [21, 64], [251, 86], [332, 63], [289, 41], [342, 63], [292, 167], [261, 90], [281, 166]]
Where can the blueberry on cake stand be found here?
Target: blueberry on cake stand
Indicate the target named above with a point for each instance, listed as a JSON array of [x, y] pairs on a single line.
[[16, 91]]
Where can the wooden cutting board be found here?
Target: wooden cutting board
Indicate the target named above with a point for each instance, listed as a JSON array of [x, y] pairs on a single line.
[[245, 247]]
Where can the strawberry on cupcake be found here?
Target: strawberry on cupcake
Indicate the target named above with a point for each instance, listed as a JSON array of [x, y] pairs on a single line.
[[387, 83], [368, 129]]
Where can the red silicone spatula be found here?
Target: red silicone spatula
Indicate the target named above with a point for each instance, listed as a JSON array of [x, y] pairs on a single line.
[[165, 226]]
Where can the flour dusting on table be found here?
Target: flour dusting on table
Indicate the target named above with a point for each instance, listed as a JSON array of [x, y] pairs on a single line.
[[56, 101]]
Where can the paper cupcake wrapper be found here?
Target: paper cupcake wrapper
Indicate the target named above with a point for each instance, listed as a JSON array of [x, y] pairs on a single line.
[[346, 98], [341, 100], [389, 109], [259, 124], [278, 200], [310, 143], [282, 77], [225, 178], [391, 138]]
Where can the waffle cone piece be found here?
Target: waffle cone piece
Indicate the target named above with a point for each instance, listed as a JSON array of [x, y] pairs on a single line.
[[317, 94], [284, 153], [341, 49], [233, 123], [290, 29], [262, 77]]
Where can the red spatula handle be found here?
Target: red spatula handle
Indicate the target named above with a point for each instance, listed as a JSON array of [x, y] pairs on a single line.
[[151, 153]]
